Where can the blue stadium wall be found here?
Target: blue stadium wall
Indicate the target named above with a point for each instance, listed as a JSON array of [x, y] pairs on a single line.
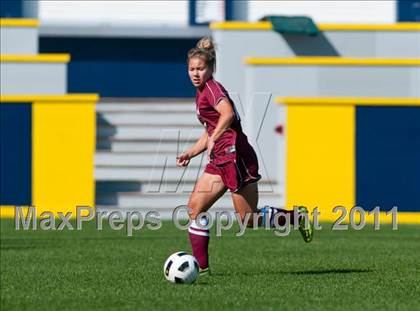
[[388, 157], [11, 8], [408, 10], [16, 160], [125, 67]]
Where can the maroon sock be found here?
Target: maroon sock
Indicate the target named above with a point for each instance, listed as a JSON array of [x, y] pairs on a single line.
[[199, 239]]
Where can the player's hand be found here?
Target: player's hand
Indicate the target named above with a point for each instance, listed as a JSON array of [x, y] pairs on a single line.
[[210, 146], [183, 159]]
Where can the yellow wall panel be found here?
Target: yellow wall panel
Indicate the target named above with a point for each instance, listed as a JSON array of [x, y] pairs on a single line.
[[320, 157], [63, 155]]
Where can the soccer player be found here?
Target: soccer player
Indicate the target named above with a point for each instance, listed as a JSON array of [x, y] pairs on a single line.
[[232, 162]]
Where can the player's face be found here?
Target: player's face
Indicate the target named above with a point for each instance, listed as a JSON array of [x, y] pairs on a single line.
[[198, 71]]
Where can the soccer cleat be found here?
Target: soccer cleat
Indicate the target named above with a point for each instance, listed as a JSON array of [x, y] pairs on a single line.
[[204, 272], [307, 233]]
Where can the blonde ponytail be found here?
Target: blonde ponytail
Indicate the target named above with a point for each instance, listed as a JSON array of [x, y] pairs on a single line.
[[205, 43], [204, 49]]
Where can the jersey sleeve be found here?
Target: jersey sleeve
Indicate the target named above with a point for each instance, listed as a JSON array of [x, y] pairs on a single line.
[[215, 93]]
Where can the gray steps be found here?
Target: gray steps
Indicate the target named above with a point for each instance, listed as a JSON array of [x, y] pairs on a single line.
[[135, 146], [150, 167], [33, 78], [147, 106], [138, 159], [168, 186], [166, 176], [156, 201], [334, 80], [155, 133], [180, 118], [18, 40], [146, 173], [135, 162]]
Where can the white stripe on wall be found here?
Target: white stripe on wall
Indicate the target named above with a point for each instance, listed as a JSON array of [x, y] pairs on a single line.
[[123, 12]]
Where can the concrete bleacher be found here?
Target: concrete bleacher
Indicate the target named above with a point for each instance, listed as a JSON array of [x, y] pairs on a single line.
[[19, 36], [137, 143], [333, 76], [23, 69], [347, 40], [34, 74], [237, 40]]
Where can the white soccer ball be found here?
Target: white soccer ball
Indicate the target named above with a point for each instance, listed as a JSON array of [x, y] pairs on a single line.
[[181, 268]]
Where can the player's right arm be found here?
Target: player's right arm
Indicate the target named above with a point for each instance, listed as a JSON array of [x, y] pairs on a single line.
[[201, 145]]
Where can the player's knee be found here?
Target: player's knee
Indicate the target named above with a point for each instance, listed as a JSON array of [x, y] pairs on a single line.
[[193, 209], [192, 213]]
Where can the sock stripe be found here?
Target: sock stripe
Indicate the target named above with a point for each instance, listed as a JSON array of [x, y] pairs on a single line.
[[199, 229], [196, 232]]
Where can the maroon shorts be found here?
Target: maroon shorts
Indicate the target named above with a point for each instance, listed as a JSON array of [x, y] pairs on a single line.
[[236, 169]]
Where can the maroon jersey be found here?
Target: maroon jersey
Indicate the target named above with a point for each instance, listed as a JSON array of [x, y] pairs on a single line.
[[233, 157], [206, 100]]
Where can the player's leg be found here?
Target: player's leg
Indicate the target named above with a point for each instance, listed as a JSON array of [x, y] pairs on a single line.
[[208, 189], [245, 202], [245, 199]]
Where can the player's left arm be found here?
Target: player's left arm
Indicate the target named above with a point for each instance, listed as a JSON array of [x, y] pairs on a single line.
[[227, 115]]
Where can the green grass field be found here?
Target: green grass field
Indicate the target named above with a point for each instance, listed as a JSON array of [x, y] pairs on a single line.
[[92, 270]]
